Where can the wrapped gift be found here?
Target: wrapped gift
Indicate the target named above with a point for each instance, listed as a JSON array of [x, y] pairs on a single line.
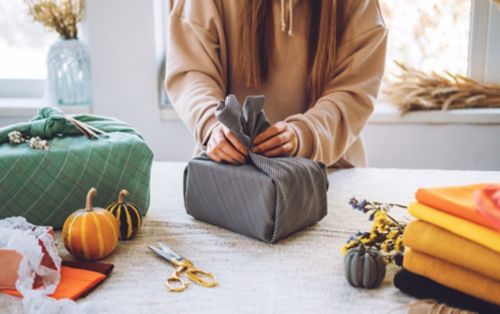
[[267, 198], [49, 164]]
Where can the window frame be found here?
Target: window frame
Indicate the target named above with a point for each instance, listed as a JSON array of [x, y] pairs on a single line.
[[31, 88], [161, 15], [26, 87], [484, 42]]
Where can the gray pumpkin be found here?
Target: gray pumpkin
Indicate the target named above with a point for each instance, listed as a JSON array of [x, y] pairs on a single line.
[[364, 267]]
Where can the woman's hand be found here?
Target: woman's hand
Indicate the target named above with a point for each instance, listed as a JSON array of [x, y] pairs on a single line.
[[277, 140], [223, 145]]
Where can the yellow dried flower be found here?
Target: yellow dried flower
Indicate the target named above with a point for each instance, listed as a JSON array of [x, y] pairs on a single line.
[[398, 244], [385, 233]]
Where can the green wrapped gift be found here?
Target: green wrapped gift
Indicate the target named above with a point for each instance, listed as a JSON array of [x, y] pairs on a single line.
[[47, 184]]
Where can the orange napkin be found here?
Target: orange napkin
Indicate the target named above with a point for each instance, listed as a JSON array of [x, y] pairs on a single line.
[[75, 282], [440, 243], [452, 276], [455, 200]]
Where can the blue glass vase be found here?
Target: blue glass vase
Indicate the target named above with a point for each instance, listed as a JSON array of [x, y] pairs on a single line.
[[68, 74]]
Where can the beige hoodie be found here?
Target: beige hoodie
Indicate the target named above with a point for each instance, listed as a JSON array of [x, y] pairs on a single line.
[[202, 43]]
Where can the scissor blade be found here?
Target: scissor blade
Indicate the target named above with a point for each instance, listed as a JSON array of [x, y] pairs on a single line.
[[163, 254], [165, 248]]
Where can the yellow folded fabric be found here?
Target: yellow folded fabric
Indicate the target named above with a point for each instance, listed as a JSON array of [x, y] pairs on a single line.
[[452, 276], [437, 242], [466, 229]]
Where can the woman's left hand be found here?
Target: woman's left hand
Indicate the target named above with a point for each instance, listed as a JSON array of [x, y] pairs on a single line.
[[277, 140]]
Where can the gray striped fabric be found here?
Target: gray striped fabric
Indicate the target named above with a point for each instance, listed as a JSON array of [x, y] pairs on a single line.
[[267, 198]]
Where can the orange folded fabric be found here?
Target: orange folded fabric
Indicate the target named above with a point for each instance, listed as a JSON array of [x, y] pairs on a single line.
[[74, 283], [452, 276], [437, 242], [455, 200]]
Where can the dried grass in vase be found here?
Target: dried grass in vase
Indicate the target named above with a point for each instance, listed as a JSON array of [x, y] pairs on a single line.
[[61, 16], [416, 90]]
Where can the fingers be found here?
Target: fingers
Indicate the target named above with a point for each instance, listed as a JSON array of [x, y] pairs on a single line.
[[225, 148], [277, 140], [220, 149], [271, 131], [283, 150], [219, 155], [274, 142], [235, 141]]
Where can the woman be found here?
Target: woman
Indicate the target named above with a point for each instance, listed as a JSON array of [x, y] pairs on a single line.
[[319, 64]]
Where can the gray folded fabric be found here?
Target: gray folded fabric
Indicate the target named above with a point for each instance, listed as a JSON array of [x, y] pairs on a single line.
[[267, 198]]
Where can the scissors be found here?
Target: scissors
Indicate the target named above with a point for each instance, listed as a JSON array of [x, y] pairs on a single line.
[[174, 282]]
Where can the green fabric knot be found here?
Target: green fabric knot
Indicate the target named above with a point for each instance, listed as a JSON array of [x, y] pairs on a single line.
[[48, 122], [51, 121]]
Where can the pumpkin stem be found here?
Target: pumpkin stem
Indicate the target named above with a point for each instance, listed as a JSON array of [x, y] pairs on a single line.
[[89, 200], [122, 194]]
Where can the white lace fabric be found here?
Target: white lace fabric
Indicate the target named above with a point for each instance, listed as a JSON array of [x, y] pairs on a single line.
[[19, 235]]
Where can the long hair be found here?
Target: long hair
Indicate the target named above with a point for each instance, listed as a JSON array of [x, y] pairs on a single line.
[[257, 37]]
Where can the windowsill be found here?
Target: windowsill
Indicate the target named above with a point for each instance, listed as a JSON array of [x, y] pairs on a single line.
[[387, 114], [28, 107], [384, 113]]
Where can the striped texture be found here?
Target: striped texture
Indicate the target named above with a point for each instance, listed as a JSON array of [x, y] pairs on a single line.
[[47, 186], [129, 217], [91, 235], [267, 198]]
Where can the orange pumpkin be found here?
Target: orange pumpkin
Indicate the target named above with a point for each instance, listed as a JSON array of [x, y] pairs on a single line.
[[91, 233]]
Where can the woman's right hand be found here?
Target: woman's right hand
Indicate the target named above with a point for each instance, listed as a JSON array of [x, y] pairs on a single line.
[[223, 145]]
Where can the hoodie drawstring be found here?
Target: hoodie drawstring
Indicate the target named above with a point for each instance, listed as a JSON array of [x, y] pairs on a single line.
[[283, 25], [290, 17]]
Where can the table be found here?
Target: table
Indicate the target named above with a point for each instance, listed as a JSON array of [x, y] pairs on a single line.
[[301, 274]]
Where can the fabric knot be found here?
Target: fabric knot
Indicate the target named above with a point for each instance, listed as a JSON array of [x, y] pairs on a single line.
[[244, 121], [48, 122]]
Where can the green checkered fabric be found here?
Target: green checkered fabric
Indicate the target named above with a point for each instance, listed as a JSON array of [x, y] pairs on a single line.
[[45, 187]]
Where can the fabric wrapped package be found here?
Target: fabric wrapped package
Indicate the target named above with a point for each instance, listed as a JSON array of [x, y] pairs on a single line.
[[46, 186], [266, 198]]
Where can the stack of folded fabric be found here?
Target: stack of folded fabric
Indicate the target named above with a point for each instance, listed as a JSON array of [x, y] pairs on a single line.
[[452, 251]]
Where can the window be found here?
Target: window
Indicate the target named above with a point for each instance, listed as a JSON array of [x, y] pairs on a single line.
[[161, 12], [484, 48], [460, 36], [23, 49], [431, 35]]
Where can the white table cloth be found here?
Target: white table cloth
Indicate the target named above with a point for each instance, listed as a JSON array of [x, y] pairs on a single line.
[[301, 274]]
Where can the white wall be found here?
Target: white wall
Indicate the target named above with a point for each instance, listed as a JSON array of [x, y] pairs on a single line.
[[444, 146], [121, 38]]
